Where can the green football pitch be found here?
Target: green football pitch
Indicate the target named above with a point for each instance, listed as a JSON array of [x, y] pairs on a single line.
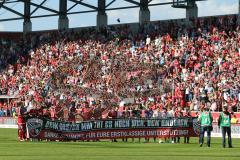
[[11, 149]]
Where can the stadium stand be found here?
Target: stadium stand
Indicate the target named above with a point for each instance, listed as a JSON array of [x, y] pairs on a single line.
[[117, 72]]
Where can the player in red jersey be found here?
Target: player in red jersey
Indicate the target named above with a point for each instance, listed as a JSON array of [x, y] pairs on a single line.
[[21, 123]]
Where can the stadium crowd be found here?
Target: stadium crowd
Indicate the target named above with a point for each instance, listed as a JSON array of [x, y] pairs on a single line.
[[117, 72]]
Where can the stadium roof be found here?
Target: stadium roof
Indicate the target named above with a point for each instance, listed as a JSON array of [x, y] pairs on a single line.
[[34, 9], [90, 6]]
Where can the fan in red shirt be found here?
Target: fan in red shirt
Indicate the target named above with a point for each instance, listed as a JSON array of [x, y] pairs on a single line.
[[72, 114]]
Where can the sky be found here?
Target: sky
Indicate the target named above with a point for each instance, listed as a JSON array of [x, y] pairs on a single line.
[[205, 8]]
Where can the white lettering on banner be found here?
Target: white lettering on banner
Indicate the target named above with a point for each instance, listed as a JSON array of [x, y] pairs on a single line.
[[51, 125], [74, 136], [137, 133], [118, 134], [153, 123], [174, 122], [103, 134], [51, 135], [86, 126], [69, 127], [78, 127], [122, 124], [62, 127], [91, 135], [108, 124], [123, 128], [163, 132], [179, 132], [74, 127], [151, 133], [167, 123], [137, 123], [114, 134], [181, 122], [98, 124]]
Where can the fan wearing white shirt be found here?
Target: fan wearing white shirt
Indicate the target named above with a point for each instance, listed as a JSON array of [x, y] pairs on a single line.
[[148, 40]]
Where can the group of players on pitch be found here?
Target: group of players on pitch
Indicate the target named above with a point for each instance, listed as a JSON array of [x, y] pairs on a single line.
[[205, 119]]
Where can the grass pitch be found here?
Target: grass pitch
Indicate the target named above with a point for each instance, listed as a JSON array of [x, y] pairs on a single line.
[[11, 149]]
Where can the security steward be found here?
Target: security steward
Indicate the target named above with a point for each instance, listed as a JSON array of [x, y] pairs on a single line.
[[224, 121], [206, 125]]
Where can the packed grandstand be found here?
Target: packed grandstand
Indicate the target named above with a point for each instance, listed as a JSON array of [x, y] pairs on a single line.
[[121, 72]]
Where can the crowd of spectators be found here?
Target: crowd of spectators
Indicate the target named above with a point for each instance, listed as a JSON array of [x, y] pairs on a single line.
[[118, 72]]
